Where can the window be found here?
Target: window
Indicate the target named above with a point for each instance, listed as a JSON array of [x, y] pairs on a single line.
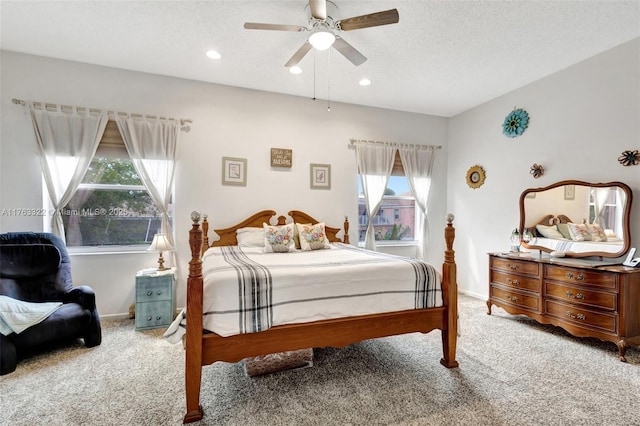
[[396, 219], [111, 206], [609, 214]]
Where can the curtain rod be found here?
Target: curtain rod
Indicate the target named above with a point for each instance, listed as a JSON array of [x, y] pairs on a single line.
[[50, 105], [418, 146]]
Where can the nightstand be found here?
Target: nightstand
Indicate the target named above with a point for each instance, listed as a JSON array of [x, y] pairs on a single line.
[[155, 299]]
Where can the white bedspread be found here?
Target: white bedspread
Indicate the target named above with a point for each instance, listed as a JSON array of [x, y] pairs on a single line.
[[17, 315], [568, 246], [246, 290]]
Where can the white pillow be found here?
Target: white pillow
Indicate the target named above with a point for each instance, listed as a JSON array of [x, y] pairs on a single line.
[[313, 237], [278, 239], [250, 237], [549, 232]]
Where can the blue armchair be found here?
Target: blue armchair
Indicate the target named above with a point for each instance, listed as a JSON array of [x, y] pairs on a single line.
[[35, 267]]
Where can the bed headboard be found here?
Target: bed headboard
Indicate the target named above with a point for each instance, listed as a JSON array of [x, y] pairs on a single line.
[[228, 235], [549, 220]]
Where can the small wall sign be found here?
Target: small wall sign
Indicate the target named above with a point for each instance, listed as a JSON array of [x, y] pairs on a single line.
[[281, 157]]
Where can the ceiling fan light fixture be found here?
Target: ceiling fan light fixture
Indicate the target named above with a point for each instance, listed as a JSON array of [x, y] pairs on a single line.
[[322, 39], [212, 54]]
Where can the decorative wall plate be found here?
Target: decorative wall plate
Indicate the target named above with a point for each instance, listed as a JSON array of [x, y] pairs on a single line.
[[475, 176], [515, 123]]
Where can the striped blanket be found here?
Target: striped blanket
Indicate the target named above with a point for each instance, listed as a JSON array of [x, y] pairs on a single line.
[[246, 290]]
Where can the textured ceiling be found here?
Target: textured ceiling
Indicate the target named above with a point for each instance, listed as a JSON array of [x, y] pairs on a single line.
[[442, 58]]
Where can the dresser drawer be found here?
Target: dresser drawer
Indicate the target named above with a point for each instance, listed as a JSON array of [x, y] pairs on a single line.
[[516, 281], [516, 266], [577, 315], [580, 276], [567, 293], [153, 314], [515, 298], [154, 288]]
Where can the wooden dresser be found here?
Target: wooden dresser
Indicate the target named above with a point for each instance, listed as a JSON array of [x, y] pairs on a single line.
[[587, 300]]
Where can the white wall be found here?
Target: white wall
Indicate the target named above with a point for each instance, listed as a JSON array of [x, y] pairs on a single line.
[[581, 120], [227, 121]]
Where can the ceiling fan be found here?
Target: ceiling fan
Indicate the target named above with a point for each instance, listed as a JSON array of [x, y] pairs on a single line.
[[323, 30]]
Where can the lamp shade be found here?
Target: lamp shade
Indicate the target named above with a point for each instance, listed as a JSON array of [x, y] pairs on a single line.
[[322, 39], [160, 243]]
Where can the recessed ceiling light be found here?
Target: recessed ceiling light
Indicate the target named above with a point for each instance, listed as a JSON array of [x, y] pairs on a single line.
[[295, 70], [213, 54], [365, 82]]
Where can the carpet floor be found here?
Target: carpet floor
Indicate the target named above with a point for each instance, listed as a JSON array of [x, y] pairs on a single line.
[[513, 371]]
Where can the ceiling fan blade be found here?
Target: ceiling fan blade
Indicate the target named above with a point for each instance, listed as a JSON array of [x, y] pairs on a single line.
[[274, 27], [297, 57], [371, 20], [349, 51], [318, 9]]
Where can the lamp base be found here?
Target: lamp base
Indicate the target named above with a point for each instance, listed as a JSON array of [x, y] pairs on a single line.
[[161, 266]]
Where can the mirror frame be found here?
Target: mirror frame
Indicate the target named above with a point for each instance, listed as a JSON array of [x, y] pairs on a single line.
[[626, 227]]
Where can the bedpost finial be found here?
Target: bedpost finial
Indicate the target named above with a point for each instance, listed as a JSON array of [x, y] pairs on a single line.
[[450, 218], [195, 216]]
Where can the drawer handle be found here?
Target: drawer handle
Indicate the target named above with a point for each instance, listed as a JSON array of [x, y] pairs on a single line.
[[159, 293], [149, 293], [512, 267], [576, 316], [579, 277], [514, 282], [579, 296], [512, 298], [158, 318], [149, 318]]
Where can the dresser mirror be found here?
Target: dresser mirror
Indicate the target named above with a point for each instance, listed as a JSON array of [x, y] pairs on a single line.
[[577, 219]]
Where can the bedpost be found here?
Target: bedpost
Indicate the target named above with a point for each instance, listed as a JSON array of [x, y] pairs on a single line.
[[205, 234], [450, 294], [193, 362], [345, 239]]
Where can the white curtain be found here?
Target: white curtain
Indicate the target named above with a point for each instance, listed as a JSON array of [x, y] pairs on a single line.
[[417, 162], [375, 162], [67, 141], [151, 143], [600, 197]]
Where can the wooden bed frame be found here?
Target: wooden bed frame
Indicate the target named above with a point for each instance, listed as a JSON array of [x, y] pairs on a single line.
[[204, 347]]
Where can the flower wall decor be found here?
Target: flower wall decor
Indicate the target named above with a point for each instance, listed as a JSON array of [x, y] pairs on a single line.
[[536, 170], [630, 158], [515, 123], [475, 176]]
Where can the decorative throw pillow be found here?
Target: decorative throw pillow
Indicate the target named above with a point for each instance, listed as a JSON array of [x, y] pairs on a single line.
[[564, 230], [549, 232], [250, 237], [278, 239], [597, 233], [296, 236], [579, 232], [313, 237]]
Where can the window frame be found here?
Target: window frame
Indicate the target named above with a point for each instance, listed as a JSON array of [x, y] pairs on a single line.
[[416, 217], [111, 146]]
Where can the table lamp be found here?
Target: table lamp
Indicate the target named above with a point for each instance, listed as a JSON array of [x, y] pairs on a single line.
[[160, 243]]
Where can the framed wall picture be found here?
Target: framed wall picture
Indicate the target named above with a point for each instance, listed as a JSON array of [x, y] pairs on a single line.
[[234, 171], [569, 192], [320, 176]]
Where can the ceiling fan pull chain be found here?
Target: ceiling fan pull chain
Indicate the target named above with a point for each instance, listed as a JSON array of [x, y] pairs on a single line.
[[329, 84]]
